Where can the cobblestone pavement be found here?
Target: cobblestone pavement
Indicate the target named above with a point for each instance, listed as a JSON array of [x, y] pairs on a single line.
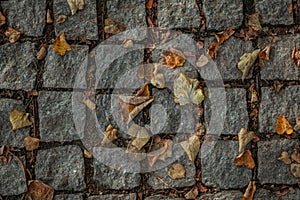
[[61, 160]]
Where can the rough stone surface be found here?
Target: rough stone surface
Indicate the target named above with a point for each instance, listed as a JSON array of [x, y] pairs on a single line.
[[56, 117], [280, 65], [273, 104], [229, 54], [131, 196], [219, 170], [236, 116], [61, 71], [275, 12], [68, 197], [162, 197], [61, 167], [26, 16], [224, 195], [81, 25], [17, 70], [271, 170], [178, 14], [12, 176], [223, 14], [268, 195], [8, 136]]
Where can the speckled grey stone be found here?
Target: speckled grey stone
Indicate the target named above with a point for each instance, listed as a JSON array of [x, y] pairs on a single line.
[[270, 169], [219, 170], [272, 105], [162, 197], [178, 14], [274, 12], [223, 195], [68, 197], [223, 14], [268, 195], [56, 117], [61, 167], [236, 116], [131, 196], [26, 16], [229, 54], [280, 65], [12, 176], [61, 71], [81, 25], [8, 136], [17, 69]]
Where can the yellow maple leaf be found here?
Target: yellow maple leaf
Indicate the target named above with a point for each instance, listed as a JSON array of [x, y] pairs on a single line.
[[283, 125], [60, 45]]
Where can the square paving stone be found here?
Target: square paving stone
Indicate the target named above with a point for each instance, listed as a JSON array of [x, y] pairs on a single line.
[[223, 195], [68, 197], [286, 103], [274, 12], [17, 69], [7, 135], [280, 65], [61, 71], [26, 16], [223, 14], [131, 196], [81, 25], [61, 167], [229, 54], [162, 197], [270, 169], [12, 176], [219, 170], [56, 117], [178, 14], [236, 116], [267, 195]]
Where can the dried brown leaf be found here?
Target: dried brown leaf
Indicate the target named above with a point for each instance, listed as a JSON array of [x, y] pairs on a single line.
[[265, 53], [12, 34], [285, 158], [245, 137], [41, 54], [245, 159], [110, 134], [31, 143], [49, 19], [87, 154], [60, 45], [296, 56], [173, 58], [253, 22], [296, 157], [160, 153], [277, 86], [140, 134], [127, 43], [61, 19], [76, 5], [19, 119], [2, 19], [37, 190], [297, 126], [158, 79], [246, 62], [283, 125], [213, 50], [224, 35], [110, 26], [192, 194], [295, 169], [149, 4], [249, 193], [176, 171], [191, 147]]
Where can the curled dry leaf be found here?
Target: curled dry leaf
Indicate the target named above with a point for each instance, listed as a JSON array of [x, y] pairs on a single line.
[[245, 159], [277, 86], [192, 194], [224, 35], [285, 158], [173, 58], [253, 22], [187, 90], [296, 56], [31, 143], [296, 157], [38, 190], [127, 43], [60, 45], [19, 119], [61, 19], [249, 193], [2, 19], [90, 104], [295, 169], [49, 19], [110, 134], [110, 26], [12, 35], [245, 137], [149, 4], [213, 50], [254, 94], [87, 154], [158, 79], [283, 125], [297, 126], [140, 134], [191, 147], [76, 5], [202, 61], [265, 53], [41, 53], [176, 171], [247, 61]]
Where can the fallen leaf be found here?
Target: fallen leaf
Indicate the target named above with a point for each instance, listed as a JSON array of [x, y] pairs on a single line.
[[296, 157], [140, 134], [245, 137], [110, 26], [265, 53], [224, 35], [245, 159], [285, 158], [213, 50], [2, 19], [249, 193], [283, 126], [61, 19], [49, 19], [191, 147], [31, 143], [192, 194], [176, 171], [186, 90], [297, 126], [90, 104], [149, 4], [295, 169], [76, 5], [254, 94], [296, 56], [173, 58], [37, 190], [110, 134], [87, 154], [246, 62], [127, 43], [253, 22], [19, 119], [158, 79], [162, 153], [290, 9], [12, 35], [41, 54], [277, 86], [202, 61], [60, 45], [32, 93]]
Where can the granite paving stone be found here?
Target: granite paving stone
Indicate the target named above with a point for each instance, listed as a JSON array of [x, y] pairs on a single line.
[[26, 16], [61, 71], [17, 68], [68, 197], [280, 65], [268, 195], [12, 176], [223, 195], [61, 167], [162, 197], [82, 25], [219, 170], [270, 169], [7, 135], [178, 14], [274, 12], [236, 116], [273, 104], [223, 14], [131, 196]]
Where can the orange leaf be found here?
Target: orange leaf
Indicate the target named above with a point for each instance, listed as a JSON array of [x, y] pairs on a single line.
[[39, 190], [12, 34], [249, 193], [213, 50], [224, 35], [296, 56], [31, 143], [245, 159], [173, 58], [265, 53], [283, 126], [149, 5], [60, 45]]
